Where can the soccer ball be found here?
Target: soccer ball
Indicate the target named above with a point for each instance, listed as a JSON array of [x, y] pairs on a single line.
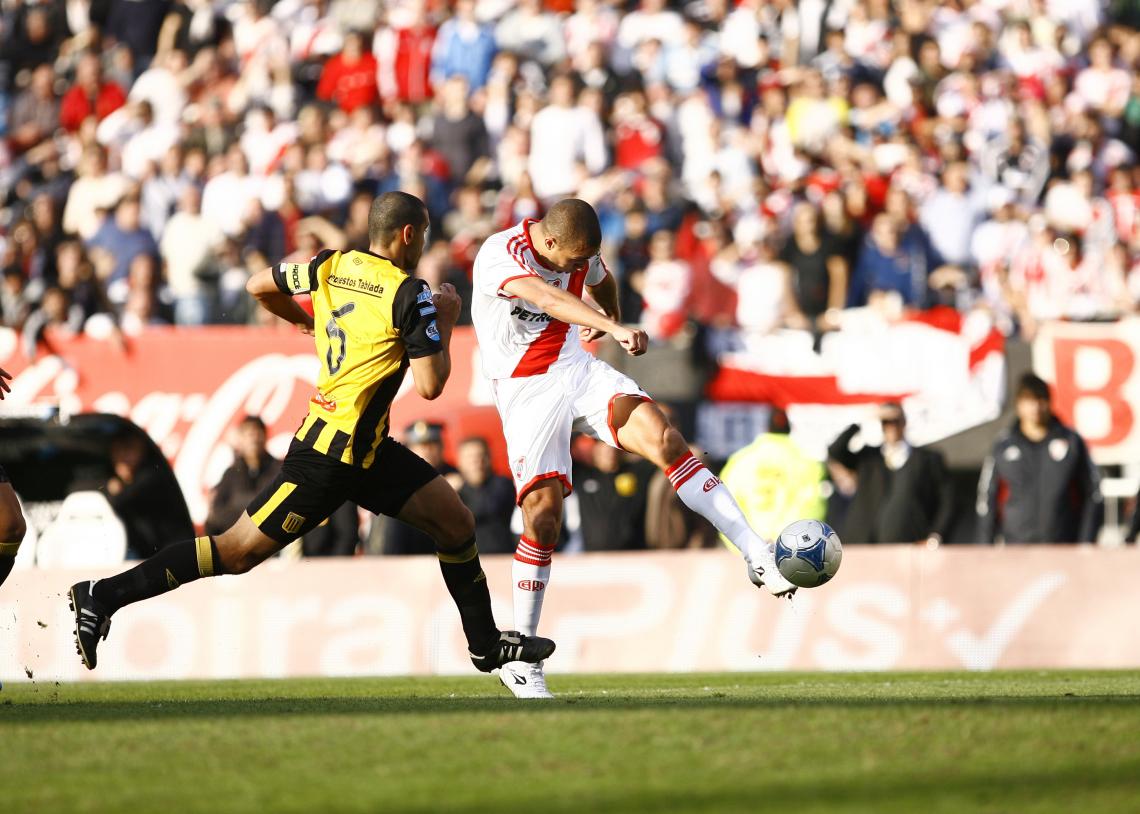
[[808, 553]]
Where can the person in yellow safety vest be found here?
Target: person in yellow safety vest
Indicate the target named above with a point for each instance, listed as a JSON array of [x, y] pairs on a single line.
[[774, 481]]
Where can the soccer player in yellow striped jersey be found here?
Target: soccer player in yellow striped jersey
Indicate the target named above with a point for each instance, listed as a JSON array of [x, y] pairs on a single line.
[[372, 321]]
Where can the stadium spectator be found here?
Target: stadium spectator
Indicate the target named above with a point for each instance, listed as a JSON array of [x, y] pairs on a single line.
[[490, 497], [665, 286], [1039, 485], [349, 78], [531, 32], [35, 111], [189, 249], [612, 490], [819, 270], [90, 95], [774, 480], [143, 494], [404, 53], [902, 493], [425, 439], [460, 135], [563, 139], [463, 47], [118, 242], [252, 470]]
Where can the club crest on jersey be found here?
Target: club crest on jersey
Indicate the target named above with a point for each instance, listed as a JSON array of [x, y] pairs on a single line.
[[531, 584], [327, 404], [1058, 449], [711, 484]]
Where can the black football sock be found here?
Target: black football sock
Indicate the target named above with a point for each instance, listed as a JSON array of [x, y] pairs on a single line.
[[468, 587], [172, 566], [6, 564]]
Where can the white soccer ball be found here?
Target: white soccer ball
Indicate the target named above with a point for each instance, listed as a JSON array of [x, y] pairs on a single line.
[[808, 553]]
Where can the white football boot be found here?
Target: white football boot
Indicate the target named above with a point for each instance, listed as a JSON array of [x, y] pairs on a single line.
[[762, 570], [524, 680]]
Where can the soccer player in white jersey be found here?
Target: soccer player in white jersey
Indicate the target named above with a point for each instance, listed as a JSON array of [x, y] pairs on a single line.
[[528, 284]]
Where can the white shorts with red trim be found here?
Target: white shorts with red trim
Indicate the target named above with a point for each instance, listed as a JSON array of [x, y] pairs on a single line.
[[540, 412]]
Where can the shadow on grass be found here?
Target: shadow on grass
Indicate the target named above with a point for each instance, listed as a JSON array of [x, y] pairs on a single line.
[[64, 710]]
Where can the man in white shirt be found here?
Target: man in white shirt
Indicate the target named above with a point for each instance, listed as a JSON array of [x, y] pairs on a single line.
[[563, 136], [528, 286]]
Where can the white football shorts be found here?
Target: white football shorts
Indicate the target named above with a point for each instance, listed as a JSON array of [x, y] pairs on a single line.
[[540, 412]]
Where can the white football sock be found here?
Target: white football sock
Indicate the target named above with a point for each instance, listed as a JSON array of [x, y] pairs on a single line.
[[703, 492], [530, 574]]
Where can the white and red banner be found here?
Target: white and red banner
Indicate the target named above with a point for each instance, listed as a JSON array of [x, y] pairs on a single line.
[[188, 387], [889, 608], [1095, 377], [947, 370]]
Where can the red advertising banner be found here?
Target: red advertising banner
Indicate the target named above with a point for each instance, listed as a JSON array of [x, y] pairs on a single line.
[[188, 388], [1093, 370], [890, 608]]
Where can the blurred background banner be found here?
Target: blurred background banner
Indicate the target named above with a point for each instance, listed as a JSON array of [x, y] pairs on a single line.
[[895, 608], [1096, 383]]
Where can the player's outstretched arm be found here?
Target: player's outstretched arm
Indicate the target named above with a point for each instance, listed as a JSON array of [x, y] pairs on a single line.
[[430, 373], [605, 294], [263, 288], [568, 308]]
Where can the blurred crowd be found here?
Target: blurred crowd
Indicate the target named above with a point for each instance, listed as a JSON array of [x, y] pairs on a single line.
[[757, 165]]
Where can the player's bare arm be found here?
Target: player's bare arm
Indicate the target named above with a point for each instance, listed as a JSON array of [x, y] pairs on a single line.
[[430, 373], [568, 308], [262, 288], [605, 294]]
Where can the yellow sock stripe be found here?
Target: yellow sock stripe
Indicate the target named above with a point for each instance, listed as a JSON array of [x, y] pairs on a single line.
[[466, 555], [283, 491], [205, 556], [9, 549]]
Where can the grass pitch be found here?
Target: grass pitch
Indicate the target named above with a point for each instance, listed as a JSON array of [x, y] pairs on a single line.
[[939, 742]]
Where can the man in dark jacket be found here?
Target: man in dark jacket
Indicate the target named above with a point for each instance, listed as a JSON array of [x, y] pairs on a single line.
[[902, 494], [1039, 484], [490, 497], [252, 470]]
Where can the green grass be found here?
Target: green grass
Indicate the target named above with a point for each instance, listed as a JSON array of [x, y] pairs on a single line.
[[938, 742]]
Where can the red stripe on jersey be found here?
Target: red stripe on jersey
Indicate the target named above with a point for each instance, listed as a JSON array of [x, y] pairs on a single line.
[[544, 350]]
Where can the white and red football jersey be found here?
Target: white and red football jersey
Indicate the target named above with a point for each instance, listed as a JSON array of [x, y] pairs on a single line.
[[516, 338]]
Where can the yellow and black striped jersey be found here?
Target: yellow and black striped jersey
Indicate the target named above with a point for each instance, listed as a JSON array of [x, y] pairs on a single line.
[[370, 318]]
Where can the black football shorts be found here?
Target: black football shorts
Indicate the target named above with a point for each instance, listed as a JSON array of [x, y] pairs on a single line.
[[311, 486]]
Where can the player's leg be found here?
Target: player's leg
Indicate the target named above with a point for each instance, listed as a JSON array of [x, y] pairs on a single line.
[[12, 527], [542, 523], [403, 485], [639, 426], [307, 489]]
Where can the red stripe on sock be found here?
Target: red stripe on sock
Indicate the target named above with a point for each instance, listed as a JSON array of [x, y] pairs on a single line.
[[677, 464]]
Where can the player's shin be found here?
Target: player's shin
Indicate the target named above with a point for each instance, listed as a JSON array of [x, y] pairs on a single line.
[[530, 574], [467, 584], [174, 565], [703, 492]]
